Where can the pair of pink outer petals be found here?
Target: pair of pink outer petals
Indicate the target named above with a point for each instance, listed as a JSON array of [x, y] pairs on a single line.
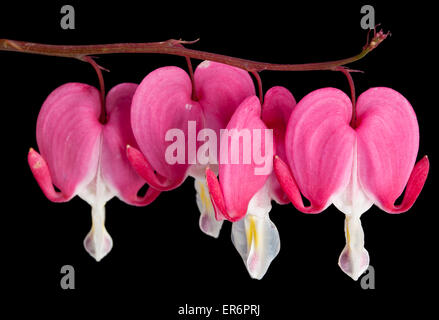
[[331, 162], [81, 156], [226, 99]]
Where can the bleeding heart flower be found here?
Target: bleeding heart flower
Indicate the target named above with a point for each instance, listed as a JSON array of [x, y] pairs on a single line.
[[165, 117], [352, 167], [81, 156], [242, 195]]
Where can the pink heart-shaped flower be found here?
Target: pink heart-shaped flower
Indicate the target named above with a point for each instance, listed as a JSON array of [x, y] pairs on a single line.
[[81, 156], [353, 168], [170, 126]]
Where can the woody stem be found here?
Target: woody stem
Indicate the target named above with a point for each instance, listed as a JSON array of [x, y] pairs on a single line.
[[173, 47]]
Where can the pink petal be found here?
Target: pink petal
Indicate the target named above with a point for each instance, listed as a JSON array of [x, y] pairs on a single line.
[[277, 108], [319, 148], [141, 165], [220, 90], [117, 134], [413, 189], [276, 111], [289, 185], [388, 140], [238, 181], [41, 172], [216, 195], [68, 137], [163, 102]]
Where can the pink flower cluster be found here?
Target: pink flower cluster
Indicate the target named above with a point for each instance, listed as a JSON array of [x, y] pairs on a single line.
[[318, 154]]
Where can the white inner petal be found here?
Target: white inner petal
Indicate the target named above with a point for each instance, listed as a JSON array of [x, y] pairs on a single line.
[[353, 202], [260, 203], [98, 242], [354, 258], [208, 223], [255, 237]]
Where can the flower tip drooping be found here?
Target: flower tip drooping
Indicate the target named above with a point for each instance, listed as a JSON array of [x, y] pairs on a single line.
[[354, 259], [255, 237], [98, 242], [98, 248], [354, 267]]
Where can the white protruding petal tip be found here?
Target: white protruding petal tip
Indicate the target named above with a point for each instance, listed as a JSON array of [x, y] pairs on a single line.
[[98, 245], [257, 241], [354, 258], [208, 223], [354, 264], [98, 242]]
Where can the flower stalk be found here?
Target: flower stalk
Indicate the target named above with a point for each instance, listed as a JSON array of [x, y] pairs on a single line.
[[98, 69], [347, 73]]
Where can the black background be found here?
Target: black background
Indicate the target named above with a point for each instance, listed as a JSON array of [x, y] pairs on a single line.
[[160, 258]]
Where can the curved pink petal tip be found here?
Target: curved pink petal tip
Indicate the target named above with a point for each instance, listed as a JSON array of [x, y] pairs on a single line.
[[141, 165], [289, 185], [41, 172], [413, 189], [216, 196]]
